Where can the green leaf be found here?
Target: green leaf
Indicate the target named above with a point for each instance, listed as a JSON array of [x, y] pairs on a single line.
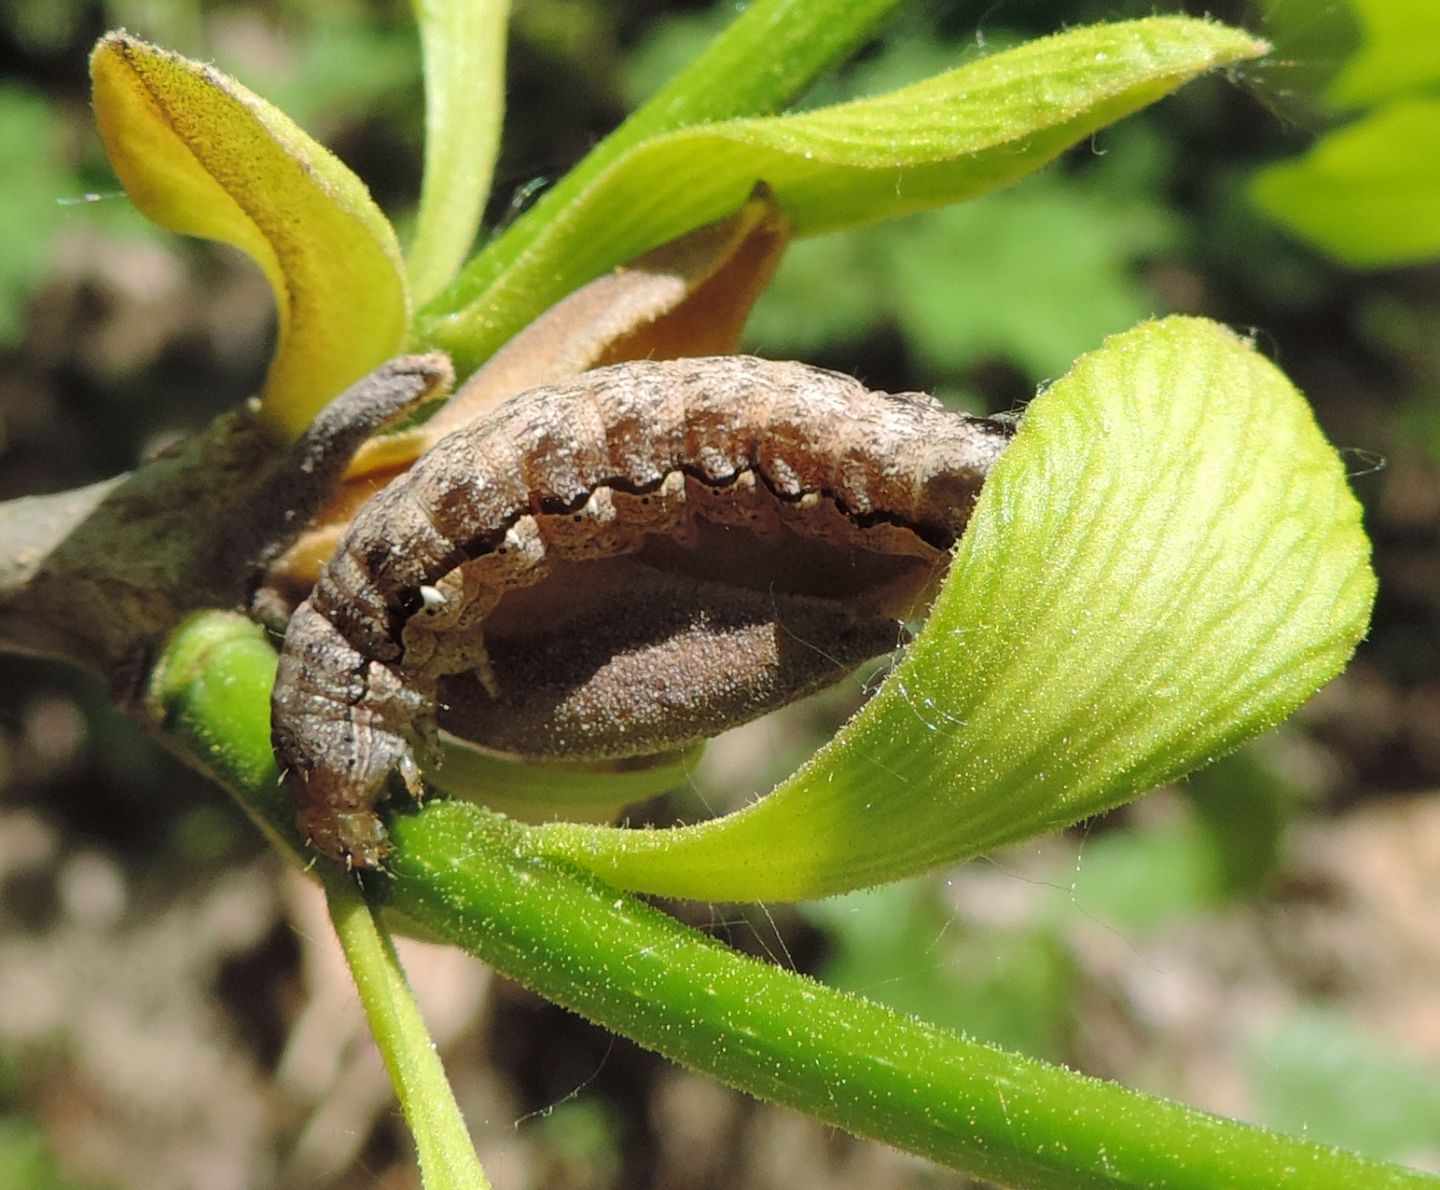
[[464, 47], [1036, 274], [1166, 561], [200, 154], [760, 62], [1368, 194], [531, 791], [30, 214], [1399, 52], [953, 137]]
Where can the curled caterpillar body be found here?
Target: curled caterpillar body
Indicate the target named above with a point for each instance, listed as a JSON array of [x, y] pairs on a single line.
[[342, 724], [813, 501]]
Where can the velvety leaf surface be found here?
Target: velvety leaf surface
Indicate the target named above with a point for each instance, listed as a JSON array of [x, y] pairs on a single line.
[[951, 137], [1166, 562], [200, 154], [764, 57], [464, 46]]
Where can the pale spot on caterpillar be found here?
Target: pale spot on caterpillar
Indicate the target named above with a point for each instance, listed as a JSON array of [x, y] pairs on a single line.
[[615, 566]]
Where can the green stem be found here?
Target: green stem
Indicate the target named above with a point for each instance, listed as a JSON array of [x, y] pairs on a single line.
[[210, 694], [761, 62], [447, 1158], [768, 1031], [463, 42], [845, 1060]]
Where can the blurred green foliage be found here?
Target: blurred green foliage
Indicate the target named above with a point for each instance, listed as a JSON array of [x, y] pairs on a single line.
[[26, 1162], [1321, 1074], [1221, 849], [1399, 52], [902, 945], [1368, 193], [580, 1139], [30, 214], [43, 27]]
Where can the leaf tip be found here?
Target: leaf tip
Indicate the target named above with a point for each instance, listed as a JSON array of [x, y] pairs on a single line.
[[200, 154]]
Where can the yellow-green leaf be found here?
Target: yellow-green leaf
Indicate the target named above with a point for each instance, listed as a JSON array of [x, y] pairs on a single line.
[[464, 46], [200, 154], [1368, 193], [1166, 562], [949, 138], [1399, 52]]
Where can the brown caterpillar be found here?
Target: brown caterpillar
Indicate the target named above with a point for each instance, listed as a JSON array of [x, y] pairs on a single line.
[[667, 481]]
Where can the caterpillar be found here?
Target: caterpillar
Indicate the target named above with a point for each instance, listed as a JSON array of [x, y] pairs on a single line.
[[626, 478]]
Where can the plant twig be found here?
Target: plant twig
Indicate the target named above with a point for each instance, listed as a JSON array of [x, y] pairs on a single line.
[[447, 1158]]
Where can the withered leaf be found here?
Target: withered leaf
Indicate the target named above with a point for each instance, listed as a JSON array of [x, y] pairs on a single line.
[[658, 662]]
